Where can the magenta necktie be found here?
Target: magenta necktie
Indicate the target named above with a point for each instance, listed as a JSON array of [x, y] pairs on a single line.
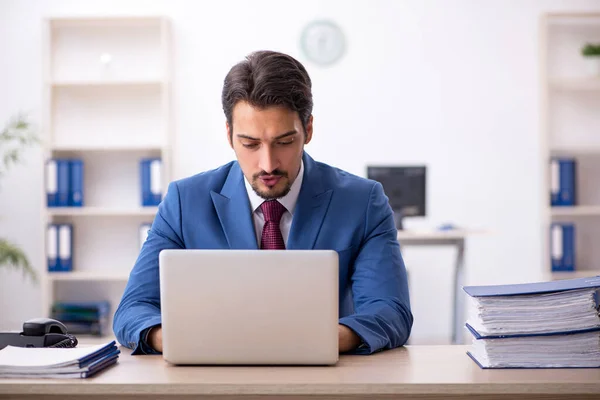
[[271, 234]]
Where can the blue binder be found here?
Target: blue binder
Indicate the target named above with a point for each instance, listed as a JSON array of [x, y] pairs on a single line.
[[76, 183], [562, 247], [151, 181], [533, 288], [52, 247], [51, 183], [563, 185], [65, 247], [62, 167], [477, 335]]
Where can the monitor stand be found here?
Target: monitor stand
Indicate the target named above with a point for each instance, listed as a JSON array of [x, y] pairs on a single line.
[[398, 220]]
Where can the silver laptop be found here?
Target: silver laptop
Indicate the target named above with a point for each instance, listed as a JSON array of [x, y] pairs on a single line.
[[249, 307]]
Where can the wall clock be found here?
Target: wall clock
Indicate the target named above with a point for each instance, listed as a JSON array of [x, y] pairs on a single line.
[[323, 42]]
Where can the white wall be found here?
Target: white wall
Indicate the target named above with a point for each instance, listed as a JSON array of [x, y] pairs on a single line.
[[450, 84]]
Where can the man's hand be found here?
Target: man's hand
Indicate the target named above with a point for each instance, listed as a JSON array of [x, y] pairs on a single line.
[[348, 340], [155, 338]]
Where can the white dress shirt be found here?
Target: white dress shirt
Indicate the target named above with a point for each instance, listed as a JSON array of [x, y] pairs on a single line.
[[288, 201]]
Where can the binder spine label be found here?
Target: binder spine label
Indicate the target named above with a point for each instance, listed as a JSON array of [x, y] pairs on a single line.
[[51, 177], [64, 247], [155, 178], [51, 183], [554, 177], [557, 242], [52, 247]]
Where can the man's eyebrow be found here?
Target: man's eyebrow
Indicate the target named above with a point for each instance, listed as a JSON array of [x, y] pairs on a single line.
[[290, 133], [242, 136]]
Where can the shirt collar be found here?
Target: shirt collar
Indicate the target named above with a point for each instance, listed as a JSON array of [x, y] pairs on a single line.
[[288, 201]]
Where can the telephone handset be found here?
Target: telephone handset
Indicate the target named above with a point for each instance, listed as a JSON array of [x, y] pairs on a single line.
[[39, 332]]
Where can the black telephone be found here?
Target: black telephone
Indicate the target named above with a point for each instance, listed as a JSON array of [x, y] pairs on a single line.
[[39, 332]]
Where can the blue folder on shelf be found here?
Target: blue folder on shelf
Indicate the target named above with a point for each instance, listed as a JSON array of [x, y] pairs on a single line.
[[64, 182], [563, 178], [63, 176], [151, 181], [76, 183], [562, 247]]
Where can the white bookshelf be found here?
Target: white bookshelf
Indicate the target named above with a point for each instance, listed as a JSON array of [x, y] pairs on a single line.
[[107, 102], [576, 211], [570, 123]]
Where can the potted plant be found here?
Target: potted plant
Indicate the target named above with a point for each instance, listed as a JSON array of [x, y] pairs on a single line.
[[16, 136], [591, 53]]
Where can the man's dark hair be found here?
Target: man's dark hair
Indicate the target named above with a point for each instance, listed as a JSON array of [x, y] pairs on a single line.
[[268, 78]]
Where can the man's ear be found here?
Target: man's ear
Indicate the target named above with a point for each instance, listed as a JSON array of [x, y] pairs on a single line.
[[309, 130], [229, 134]]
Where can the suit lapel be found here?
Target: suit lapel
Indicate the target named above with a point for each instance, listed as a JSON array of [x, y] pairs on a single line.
[[311, 208], [233, 208]]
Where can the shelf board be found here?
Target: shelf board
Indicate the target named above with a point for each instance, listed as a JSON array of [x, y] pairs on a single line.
[[106, 149], [576, 84], [574, 274], [106, 21], [575, 150], [106, 83], [575, 211], [89, 276], [102, 212]]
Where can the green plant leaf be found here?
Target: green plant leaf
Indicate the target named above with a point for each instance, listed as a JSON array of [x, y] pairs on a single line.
[[12, 256], [17, 135], [591, 50]]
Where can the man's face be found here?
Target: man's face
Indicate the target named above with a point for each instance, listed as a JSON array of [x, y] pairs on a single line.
[[268, 144]]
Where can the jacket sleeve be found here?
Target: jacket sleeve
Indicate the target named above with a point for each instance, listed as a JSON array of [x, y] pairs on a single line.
[[139, 308], [382, 316]]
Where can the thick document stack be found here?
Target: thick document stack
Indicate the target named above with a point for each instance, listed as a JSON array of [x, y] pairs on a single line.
[[539, 325], [45, 362]]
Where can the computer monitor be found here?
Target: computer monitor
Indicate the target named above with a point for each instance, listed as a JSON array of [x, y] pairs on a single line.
[[405, 186]]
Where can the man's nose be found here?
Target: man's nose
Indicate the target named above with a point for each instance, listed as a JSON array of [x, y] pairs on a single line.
[[268, 160]]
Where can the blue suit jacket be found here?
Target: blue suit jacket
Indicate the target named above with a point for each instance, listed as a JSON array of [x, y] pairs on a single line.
[[335, 210]]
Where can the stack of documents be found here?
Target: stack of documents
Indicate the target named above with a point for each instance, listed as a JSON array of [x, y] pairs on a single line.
[[79, 362], [540, 325]]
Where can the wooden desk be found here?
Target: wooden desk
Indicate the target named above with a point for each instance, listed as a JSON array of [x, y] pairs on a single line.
[[423, 372]]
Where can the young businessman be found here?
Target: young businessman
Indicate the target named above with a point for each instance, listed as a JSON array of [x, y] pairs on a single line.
[[275, 196]]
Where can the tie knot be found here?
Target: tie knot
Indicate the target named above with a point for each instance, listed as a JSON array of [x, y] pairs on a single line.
[[272, 210]]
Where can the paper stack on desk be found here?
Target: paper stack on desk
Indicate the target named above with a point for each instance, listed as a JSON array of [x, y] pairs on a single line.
[[539, 325], [79, 362]]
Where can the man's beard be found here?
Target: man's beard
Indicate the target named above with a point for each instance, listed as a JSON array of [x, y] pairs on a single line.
[[271, 194]]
